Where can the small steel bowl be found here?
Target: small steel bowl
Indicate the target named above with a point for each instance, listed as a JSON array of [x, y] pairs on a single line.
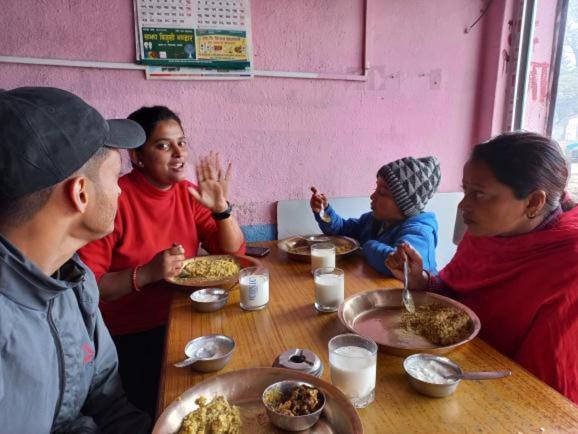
[[291, 423], [209, 299], [222, 345], [435, 390]]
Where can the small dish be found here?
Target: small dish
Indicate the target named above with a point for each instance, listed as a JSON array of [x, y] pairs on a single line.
[[209, 299], [220, 346], [446, 368], [286, 422]]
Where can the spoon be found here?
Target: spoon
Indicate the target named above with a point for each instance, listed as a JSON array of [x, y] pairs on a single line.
[[406, 295], [202, 353], [482, 375], [322, 214]]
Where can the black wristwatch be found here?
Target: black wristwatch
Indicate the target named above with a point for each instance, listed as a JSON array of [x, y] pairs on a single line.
[[225, 214]]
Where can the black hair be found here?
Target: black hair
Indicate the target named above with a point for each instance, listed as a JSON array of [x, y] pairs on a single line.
[[148, 117], [527, 162]]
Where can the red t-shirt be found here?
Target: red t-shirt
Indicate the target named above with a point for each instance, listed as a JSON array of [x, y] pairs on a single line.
[[149, 220]]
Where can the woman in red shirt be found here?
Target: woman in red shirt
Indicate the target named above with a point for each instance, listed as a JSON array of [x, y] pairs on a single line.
[[517, 266], [162, 218]]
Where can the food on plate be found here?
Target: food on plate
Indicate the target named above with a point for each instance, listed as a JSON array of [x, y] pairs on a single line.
[[209, 268], [302, 400], [215, 417], [440, 324], [303, 248]]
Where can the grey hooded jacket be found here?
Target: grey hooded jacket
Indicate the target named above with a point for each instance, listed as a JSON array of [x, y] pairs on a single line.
[[58, 364]]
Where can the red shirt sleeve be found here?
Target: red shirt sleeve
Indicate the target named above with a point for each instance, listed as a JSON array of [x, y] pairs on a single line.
[[98, 254]]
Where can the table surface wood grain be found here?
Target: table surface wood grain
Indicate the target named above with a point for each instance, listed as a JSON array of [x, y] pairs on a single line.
[[518, 404]]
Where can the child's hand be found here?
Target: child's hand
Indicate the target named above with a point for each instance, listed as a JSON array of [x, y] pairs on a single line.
[[318, 200], [405, 252]]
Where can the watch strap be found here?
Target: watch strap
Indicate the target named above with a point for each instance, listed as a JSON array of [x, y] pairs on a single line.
[[224, 214]]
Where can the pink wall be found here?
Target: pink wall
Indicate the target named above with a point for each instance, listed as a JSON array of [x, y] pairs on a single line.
[[422, 96]]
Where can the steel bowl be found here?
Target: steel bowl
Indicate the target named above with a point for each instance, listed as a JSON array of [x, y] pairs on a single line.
[[291, 423], [435, 390], [209, 299], [222, 345]]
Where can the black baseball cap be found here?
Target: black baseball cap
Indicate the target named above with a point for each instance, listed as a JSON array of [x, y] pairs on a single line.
[[46, 134]]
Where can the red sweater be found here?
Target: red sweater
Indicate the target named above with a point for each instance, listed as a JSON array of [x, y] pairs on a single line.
[[525, 291], [148, 221]]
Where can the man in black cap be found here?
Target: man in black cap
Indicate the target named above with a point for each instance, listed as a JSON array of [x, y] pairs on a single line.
[[59, 166]]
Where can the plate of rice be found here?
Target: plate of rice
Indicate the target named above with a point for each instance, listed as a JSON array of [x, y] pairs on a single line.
[[438, 325], [213, 270]]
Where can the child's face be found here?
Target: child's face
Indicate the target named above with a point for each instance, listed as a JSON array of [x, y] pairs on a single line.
[[382, 204]]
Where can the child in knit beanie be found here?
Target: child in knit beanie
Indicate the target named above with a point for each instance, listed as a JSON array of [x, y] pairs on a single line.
[[403, 188]]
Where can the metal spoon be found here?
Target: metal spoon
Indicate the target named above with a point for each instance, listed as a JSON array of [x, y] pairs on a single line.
[[482, 375], [202, 353], [406, 295], [322, 214]]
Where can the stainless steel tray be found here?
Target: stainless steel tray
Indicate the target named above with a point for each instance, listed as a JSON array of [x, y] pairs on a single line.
[[244, 389], [377, 314], [298, 248]]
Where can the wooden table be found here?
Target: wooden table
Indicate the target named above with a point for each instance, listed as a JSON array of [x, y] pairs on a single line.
[[519, 404]]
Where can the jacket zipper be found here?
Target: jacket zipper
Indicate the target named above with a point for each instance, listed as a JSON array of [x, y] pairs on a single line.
[[60, 354]]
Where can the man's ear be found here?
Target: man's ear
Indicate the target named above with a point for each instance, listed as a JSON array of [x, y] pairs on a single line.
[[76, 190]]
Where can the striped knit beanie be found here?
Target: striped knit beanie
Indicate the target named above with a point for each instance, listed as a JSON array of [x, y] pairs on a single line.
[[412, 182]]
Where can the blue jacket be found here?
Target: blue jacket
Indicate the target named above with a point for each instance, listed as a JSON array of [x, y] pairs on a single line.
[[421, 231], [58, 364]]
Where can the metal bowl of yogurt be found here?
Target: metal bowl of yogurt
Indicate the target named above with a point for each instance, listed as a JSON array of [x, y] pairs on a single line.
[[432, 375], [439, 377]]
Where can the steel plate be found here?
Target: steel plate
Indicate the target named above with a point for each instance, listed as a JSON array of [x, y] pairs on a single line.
[[298, 248], [197, 282], [377, 314], [244, 388]]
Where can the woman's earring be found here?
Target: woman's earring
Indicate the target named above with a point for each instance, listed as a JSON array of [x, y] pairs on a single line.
[[531, 216], [139, 163]]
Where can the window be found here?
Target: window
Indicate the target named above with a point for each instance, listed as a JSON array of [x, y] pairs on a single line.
[[564, 121]]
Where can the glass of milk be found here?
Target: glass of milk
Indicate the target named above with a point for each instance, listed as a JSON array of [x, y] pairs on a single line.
[[254, 283], [322, 256], [353, 363], [329, 288]]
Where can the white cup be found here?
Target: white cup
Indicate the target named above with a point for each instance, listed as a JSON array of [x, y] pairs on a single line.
[[329, 288], [353, 364], [322, 256], [254, 288]]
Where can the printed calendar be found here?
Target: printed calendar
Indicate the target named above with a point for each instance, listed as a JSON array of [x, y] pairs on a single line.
[[212, 34]]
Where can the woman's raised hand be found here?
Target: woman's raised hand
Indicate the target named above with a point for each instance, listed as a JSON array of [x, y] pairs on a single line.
[[405, 252], [318, 200], [213, 183]]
